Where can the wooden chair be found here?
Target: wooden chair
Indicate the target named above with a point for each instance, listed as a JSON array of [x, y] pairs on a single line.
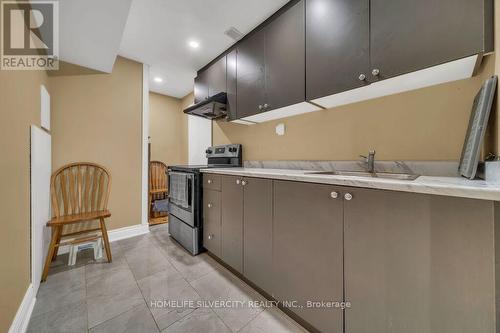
[[79, 193], [157, 190]]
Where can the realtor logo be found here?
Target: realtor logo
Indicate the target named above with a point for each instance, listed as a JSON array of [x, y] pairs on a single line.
[[29, 35]]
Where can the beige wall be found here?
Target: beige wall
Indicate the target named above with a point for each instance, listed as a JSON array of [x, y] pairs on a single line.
[[98, 118], [425, 124], [167, 129], [19, 108]]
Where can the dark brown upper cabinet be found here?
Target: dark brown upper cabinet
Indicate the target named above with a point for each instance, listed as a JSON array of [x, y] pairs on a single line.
[[271, 64], [210, 81], [338, 46], [250, 74], [231, 84], [408, 35]]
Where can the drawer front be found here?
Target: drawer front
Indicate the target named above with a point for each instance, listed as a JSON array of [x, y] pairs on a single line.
[[212, 221], [211, 181]]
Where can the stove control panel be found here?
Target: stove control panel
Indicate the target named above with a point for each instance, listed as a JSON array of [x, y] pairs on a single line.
[[232, 151]]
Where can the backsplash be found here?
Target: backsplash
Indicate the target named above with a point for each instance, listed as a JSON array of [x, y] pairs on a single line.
[[423, 168]]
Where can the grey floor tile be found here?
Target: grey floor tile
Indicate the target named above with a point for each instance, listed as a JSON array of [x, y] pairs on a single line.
[[272, 320], [136, 320], [199, 321], [133, 243], [69, 319], [190, 267], [222, 285], [60, 290], [106, 306], [111, 283], [146, 261], [164, 287], [100, 267]]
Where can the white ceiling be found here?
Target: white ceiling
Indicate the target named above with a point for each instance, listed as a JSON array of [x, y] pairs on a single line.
[[90, 31], [157, 33]]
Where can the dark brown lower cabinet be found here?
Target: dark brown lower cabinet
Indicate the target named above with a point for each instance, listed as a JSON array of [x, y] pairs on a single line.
[[307, 251], [232, 222], [212, 221], [258, 232], [418, 263]]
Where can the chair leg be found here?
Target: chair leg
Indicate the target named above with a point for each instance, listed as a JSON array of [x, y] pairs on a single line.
[[50, 254], [58, 240], [106, 240]]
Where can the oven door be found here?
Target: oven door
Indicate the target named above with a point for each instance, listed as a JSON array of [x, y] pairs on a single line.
[[186, 212]]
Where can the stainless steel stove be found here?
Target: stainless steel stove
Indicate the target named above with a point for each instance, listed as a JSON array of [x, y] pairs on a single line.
[[185, 195]]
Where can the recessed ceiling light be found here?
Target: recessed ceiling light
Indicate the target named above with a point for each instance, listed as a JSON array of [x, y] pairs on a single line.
[[158, 79], [193, 44]]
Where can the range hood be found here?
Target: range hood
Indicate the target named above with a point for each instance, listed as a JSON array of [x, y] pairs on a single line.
[[214, 107]]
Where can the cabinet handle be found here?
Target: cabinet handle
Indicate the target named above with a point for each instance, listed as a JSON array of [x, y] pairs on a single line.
[[260, 107], [375, 72], [237, 182], [334, 195], [209, 205], [266, 106], [243, 182], [348, 196], [210, 236], [209, 181], [362, 77]]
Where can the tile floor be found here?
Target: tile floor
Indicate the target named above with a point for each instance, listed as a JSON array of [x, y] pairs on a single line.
[[100, 297]]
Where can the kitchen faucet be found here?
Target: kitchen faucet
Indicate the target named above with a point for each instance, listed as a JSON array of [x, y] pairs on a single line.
[[370, 161]]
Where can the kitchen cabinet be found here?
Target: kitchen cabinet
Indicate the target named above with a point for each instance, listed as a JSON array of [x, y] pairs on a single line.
[[271, 64], [231, 84], [232, 222], [258, 232], [250, 74], [212, 221], [338, 46], [308, 250], [210, 81], [418, 263], [408, 35]]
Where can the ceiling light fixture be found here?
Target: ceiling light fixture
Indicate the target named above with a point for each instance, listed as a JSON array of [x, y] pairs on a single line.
[[158, 79], [193, 44]]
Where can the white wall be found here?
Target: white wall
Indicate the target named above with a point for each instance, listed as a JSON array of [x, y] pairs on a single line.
[[199, 139]]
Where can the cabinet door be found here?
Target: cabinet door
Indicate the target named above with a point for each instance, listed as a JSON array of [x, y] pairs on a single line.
[[212, 221], [408, 35], [216, 77], [232, 222], [285, 58], [201, 87], [250, 75], [418, 263], [307, 251], [258, 231], [231, 84], [337, 46]]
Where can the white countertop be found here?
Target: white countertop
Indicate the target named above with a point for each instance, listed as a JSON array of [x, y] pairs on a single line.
[[449, 186]]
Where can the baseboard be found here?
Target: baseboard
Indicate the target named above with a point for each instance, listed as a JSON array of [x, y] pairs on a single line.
[[118, 234], [23, 315]]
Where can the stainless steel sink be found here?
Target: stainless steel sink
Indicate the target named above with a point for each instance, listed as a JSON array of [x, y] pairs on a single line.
[[385, 175]]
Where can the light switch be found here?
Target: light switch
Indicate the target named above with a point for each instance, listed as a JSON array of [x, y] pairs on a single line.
[[280, 129]]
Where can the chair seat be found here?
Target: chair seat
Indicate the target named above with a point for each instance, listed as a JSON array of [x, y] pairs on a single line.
[[160, 190], [75, 218]]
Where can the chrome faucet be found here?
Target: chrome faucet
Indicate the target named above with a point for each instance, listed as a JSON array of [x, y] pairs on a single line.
[[370, 161]]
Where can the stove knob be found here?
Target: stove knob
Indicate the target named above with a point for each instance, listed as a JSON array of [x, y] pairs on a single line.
[[208, 151]]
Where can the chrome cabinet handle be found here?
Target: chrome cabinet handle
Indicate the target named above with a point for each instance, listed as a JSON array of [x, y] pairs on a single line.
[[209, 181], [348, 196], [243, 182], [210, 236], [334, 195], [362, 77], [237, 182], [266, 106], [209, 205], [375, 72], [261, 107]]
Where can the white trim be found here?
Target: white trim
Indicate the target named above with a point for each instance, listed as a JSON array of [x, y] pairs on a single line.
[[242, 122], [23, 315], [287, 111], [145, 141], [447, 72], [118, 234]]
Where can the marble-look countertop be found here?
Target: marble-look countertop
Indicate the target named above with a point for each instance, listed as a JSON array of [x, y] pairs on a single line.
[[448, 186]]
